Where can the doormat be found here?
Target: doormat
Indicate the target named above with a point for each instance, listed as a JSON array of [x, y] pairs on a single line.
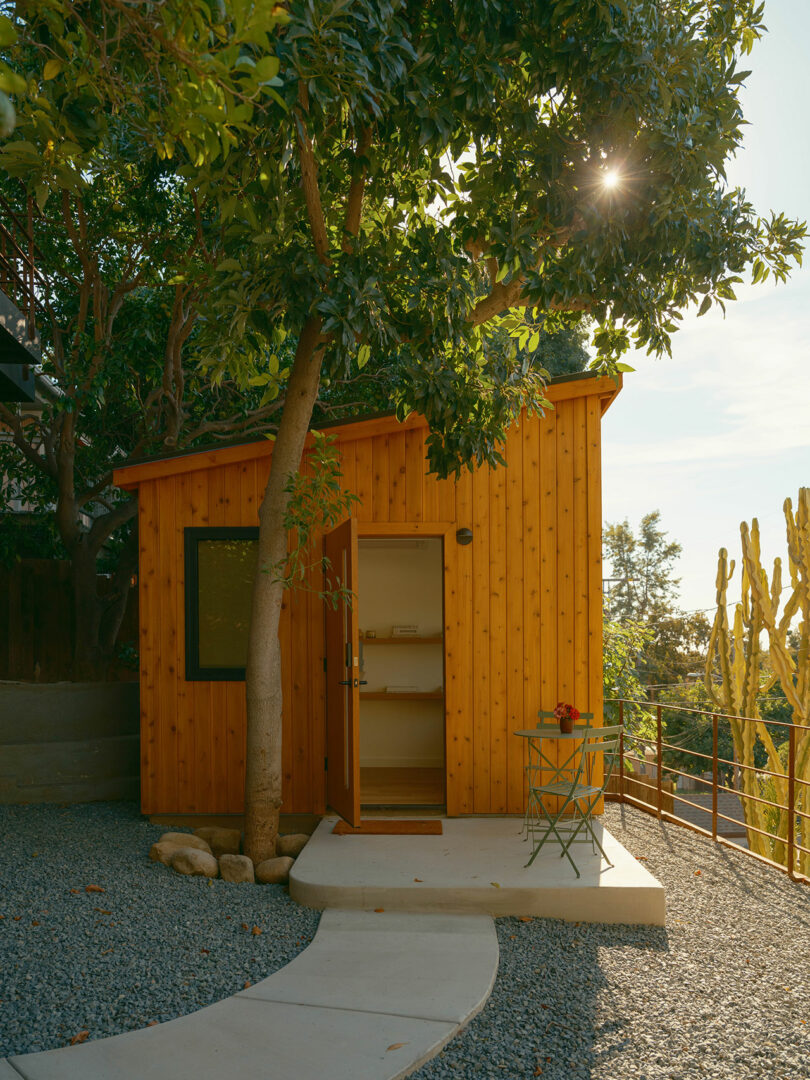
[[381, 827]]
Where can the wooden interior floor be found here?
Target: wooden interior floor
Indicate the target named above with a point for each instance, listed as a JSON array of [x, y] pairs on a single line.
[[402, 787]]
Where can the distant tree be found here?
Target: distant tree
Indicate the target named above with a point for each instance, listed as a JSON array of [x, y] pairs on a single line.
[[642, 586], [643, 593]]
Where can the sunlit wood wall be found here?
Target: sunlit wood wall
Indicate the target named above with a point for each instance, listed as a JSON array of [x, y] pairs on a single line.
[[523, 626]]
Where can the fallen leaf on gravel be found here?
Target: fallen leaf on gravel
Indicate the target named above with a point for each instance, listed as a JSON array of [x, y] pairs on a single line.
[[34, 922], [256, 930], [417, 879], [94, 888], [641, 858], [228, 916], [525, 918], [34, 854], [545, 1006], [17, 918], [79, 1037], [106, 952], [495, 883], [394, 1046], [538, 1070], [74, 891], [206, 951], [247, 985], [245, 926], [152, 1023], [698, 873], [102, 910], [379, 909]]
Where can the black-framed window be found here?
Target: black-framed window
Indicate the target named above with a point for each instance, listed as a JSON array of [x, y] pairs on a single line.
[[220, 567]]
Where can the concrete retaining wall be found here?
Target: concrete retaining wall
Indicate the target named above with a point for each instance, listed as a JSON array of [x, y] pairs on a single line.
[[68, 742]]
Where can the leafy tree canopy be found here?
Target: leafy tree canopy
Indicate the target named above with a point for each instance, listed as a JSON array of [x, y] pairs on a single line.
[[421, 177]]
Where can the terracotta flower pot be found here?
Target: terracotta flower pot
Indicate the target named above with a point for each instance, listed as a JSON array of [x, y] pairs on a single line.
[[566, 725]]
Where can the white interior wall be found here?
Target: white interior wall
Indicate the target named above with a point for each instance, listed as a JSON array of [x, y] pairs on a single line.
[[400, 582]]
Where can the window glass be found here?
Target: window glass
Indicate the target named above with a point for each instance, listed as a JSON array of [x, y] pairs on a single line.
[[225, 571]]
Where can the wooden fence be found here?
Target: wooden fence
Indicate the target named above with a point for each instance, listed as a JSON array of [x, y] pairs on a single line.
[[36, 623]]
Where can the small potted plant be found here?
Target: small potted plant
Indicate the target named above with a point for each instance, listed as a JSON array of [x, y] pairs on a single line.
[[567, 715]]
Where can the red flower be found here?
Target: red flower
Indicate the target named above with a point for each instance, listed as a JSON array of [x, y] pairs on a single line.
[[564, 711]]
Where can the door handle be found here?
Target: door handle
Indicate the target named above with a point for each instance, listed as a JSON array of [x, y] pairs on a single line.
[[364, 682], [353, 682]]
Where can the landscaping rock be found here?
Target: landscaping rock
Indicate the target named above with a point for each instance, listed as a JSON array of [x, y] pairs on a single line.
[[163, 850], [195, 862], [236, 868], [221, 841], [274, 871], [185, 839], [292, 845]]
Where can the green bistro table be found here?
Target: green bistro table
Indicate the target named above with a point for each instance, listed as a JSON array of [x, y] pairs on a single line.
[[563, 768], [572, 782]]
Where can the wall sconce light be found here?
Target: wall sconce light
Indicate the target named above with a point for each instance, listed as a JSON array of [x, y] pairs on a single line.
[[464, 536]]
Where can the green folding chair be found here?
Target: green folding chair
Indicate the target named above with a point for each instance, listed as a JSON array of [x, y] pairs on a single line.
[[539, 761], [578, 797]]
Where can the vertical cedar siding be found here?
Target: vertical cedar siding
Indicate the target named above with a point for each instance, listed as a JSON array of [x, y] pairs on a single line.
[[522, 610]]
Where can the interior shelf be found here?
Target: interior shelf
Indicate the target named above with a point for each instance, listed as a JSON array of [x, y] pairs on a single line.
[[422, 695], [402, 640]]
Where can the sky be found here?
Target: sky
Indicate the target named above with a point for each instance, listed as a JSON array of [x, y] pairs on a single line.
[[720, 433]]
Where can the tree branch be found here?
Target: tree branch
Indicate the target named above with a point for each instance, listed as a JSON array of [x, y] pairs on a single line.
[[309, 179], [26, 448], [354, 200], [104, 527]]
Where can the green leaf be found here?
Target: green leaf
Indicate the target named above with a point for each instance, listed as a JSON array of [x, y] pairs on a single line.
[[8, 32], [41, 193], [363, 354], [704, 307], [266, 68], [51, 69], [624, 367]]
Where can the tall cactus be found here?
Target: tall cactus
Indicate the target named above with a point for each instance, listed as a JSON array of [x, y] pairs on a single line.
[[736, 674]]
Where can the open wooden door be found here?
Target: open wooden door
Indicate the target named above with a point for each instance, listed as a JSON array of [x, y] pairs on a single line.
[[343, 676]]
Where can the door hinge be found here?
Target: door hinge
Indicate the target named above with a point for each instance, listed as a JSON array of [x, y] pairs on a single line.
[[325, 764]]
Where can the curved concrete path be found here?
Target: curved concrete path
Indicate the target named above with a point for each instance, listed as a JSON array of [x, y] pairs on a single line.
[[374, 996]]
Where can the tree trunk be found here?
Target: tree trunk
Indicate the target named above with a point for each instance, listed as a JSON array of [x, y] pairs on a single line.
[[263, 677], [114, 604], [87, 611]]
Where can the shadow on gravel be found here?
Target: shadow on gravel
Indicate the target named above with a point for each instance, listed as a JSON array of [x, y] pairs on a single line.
[[541, 1020]]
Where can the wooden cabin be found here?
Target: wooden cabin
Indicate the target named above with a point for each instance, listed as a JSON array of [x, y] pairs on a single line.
[[479, 601]]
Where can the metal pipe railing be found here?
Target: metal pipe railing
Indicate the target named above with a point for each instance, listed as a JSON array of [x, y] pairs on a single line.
[[785, 845]]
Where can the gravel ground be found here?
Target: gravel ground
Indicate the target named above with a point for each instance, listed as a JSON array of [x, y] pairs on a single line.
[[721, 992], [151, 946]]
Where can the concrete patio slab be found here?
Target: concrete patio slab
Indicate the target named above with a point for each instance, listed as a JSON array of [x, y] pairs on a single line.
[[432, 967], [374, 996], [476, 866]]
